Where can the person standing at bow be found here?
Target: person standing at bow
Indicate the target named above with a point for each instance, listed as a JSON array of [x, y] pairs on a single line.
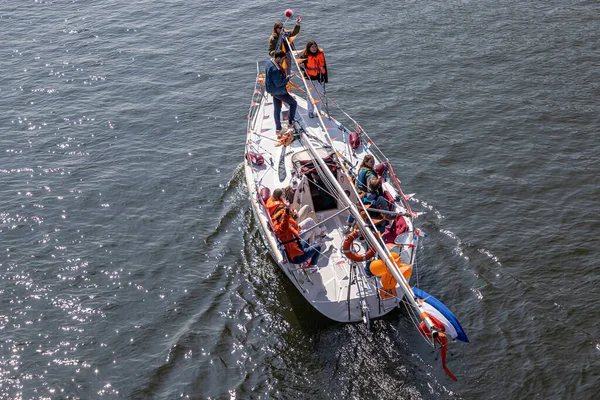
[[315, 69], [276, 41], [276, 80]]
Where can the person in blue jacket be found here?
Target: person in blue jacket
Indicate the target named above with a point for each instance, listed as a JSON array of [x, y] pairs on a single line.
[[276, 85]]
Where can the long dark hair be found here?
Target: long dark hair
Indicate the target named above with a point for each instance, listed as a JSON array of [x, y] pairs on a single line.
[[275, 26], [307, 48], [365, 160]]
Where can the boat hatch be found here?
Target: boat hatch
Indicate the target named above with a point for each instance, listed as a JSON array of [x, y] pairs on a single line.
[[304, 164], [322, 200]]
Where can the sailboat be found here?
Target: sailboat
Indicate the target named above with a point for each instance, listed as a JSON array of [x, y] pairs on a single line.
[[367, 254]]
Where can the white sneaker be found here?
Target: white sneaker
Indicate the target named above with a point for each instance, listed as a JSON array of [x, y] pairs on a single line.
[[311, 269], [324, 237]]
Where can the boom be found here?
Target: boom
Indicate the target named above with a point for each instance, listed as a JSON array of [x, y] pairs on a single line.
[[381, 250]]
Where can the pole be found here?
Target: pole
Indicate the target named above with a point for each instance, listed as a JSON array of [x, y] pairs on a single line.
[[373, 241]]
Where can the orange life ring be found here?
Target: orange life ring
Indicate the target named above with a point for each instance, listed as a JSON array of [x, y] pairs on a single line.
[[346, 246]]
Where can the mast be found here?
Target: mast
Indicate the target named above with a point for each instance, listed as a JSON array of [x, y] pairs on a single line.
[[373, 241]]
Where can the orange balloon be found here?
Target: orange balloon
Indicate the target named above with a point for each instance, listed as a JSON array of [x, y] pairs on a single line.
[[406, 270], [388, 281], [378, 268]]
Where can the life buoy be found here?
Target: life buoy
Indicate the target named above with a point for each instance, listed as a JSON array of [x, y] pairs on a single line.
[[347, 245]]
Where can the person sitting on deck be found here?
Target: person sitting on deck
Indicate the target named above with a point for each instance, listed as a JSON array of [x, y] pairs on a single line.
[[275, 201], [374, 196], [365, 174], [298, 250], [305, 218]]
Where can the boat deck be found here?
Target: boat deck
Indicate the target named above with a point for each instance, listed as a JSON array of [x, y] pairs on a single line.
[[340, 289]]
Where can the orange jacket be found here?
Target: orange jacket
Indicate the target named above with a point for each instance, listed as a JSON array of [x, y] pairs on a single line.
[[286, 230], [315, 66], [272, 204]]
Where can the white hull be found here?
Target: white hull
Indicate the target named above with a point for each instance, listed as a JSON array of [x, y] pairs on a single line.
[[340, 289]]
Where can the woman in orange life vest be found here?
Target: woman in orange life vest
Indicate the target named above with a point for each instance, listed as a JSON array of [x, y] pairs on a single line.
[[275, 201], [278, 29], [298, 250], [315, 69], [305, 217]]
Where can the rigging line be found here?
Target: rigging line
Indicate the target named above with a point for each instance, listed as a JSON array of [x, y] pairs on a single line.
[[316, 139], [326, 145], [252, 122], [325, 220], [389, 212], [414, 260], [302, 69], [255, 143], [346, 173], [372, 239], [346, 140], [415, 322], [402, 195], [266, 137], [326, 100], [321, 173], [360, 129], [322, 99], [384, 248], [413, 255]]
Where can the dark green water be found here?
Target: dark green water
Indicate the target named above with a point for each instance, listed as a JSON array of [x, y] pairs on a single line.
[[130, 263]]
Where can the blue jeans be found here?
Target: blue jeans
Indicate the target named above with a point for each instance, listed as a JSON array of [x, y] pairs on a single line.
[[287, 99], [381, 204], [313, 252]]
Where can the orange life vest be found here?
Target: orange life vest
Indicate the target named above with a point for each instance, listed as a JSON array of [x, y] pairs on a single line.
[[272, 204], [315, 64], [286, 230]]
